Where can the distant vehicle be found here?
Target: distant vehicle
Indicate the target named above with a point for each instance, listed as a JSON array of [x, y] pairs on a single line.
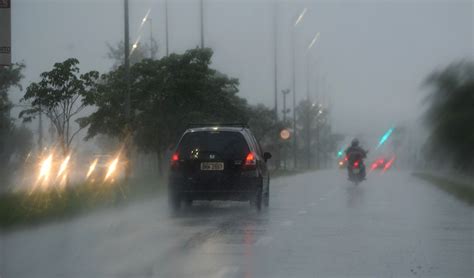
[[342, 164], [105, 168], [383, 163], [219, 163], [379, 164]]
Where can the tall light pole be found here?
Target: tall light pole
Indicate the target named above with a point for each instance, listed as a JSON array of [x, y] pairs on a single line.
[[147, 18], [275, 57], [285, 111], [127, 87], [166, 28], [127, 62], [201, 7], [293, 29], [40, 131], [311, 44]]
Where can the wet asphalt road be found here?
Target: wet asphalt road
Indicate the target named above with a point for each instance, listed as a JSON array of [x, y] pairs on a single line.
[[318, 225]]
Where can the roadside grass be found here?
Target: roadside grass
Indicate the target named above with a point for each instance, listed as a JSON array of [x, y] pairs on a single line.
[[22, 209], [462, 191]]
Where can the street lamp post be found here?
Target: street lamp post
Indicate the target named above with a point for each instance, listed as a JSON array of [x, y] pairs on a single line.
[[298, 20], [275, 58], [147, 18], [151, 37], [127, 87], [166, 28], [201, 6], [285, 111], [311, 44]]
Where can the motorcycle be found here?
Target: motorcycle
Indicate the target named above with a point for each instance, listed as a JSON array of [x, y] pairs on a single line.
[[356, 171]]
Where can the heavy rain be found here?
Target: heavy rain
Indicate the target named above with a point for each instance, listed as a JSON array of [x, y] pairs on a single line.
[[236, 138]]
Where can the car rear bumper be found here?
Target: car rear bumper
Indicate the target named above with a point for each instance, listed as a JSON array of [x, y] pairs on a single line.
[[242, 188]]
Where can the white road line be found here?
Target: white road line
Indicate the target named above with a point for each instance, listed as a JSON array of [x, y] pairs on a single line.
[[226, 271]]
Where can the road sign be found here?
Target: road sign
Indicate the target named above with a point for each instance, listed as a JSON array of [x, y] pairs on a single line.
[[5, 33]]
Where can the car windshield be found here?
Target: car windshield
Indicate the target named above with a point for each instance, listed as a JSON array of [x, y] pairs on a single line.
[[208, 138], [228, 145]]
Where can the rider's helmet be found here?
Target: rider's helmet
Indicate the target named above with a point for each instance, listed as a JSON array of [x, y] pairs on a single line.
[[355, 142]]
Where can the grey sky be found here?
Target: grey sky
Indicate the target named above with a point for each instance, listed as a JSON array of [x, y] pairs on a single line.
[[372, 55]]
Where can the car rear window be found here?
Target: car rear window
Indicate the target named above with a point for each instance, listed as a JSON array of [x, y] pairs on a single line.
[[228, 144]]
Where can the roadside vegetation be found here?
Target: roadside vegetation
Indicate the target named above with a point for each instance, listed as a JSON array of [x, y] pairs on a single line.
[[167, 95], [26, 209], [461, 190], [450, 118]]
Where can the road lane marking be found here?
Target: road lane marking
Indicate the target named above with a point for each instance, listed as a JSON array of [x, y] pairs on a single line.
[[227, 271]]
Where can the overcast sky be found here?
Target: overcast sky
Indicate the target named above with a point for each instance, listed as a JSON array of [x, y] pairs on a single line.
[[370, 59]]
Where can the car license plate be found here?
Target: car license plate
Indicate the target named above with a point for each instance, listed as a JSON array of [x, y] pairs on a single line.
[[212, 166], [356, 171]]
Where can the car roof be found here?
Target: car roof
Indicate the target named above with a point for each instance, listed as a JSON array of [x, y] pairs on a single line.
[[217, 128], [246, 133]]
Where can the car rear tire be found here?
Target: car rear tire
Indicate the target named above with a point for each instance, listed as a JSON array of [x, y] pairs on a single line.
[[266, 197], [174, 201], [258, 200]]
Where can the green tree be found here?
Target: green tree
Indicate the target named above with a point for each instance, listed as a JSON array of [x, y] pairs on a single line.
[[267, 130], [315, 133], [10, 76], [167, 95], [61, 95], [140, 52], [450, 115]]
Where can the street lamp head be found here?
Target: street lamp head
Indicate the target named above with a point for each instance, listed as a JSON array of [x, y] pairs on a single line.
[[300, 17], [316, 37]]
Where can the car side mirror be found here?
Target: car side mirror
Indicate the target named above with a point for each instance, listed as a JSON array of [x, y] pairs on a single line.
[[267, 156]]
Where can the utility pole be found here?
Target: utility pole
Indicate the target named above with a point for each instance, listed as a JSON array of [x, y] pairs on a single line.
[[40, 131], [202, 22], [275, 57], [307, 79], [127, 62], [127, 88], [166, 28], [295, 159], [293, 30], [151, 37], [285, 111]]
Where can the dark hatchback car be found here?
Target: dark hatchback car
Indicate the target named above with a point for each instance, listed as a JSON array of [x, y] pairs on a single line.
[[219, 163]]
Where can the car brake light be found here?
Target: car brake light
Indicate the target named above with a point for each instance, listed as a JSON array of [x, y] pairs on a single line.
[[174, 159], [250, 160]]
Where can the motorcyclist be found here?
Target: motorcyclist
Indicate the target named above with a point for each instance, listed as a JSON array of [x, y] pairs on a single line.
[[356, 153]]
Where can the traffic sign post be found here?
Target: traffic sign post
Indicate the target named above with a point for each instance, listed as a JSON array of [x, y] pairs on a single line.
[[5, 33]]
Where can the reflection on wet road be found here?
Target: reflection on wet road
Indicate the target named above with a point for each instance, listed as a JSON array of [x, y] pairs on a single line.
[[318, 225]]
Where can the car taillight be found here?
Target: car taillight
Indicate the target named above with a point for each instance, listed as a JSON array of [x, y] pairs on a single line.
[[250, 160], [174, 159]]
